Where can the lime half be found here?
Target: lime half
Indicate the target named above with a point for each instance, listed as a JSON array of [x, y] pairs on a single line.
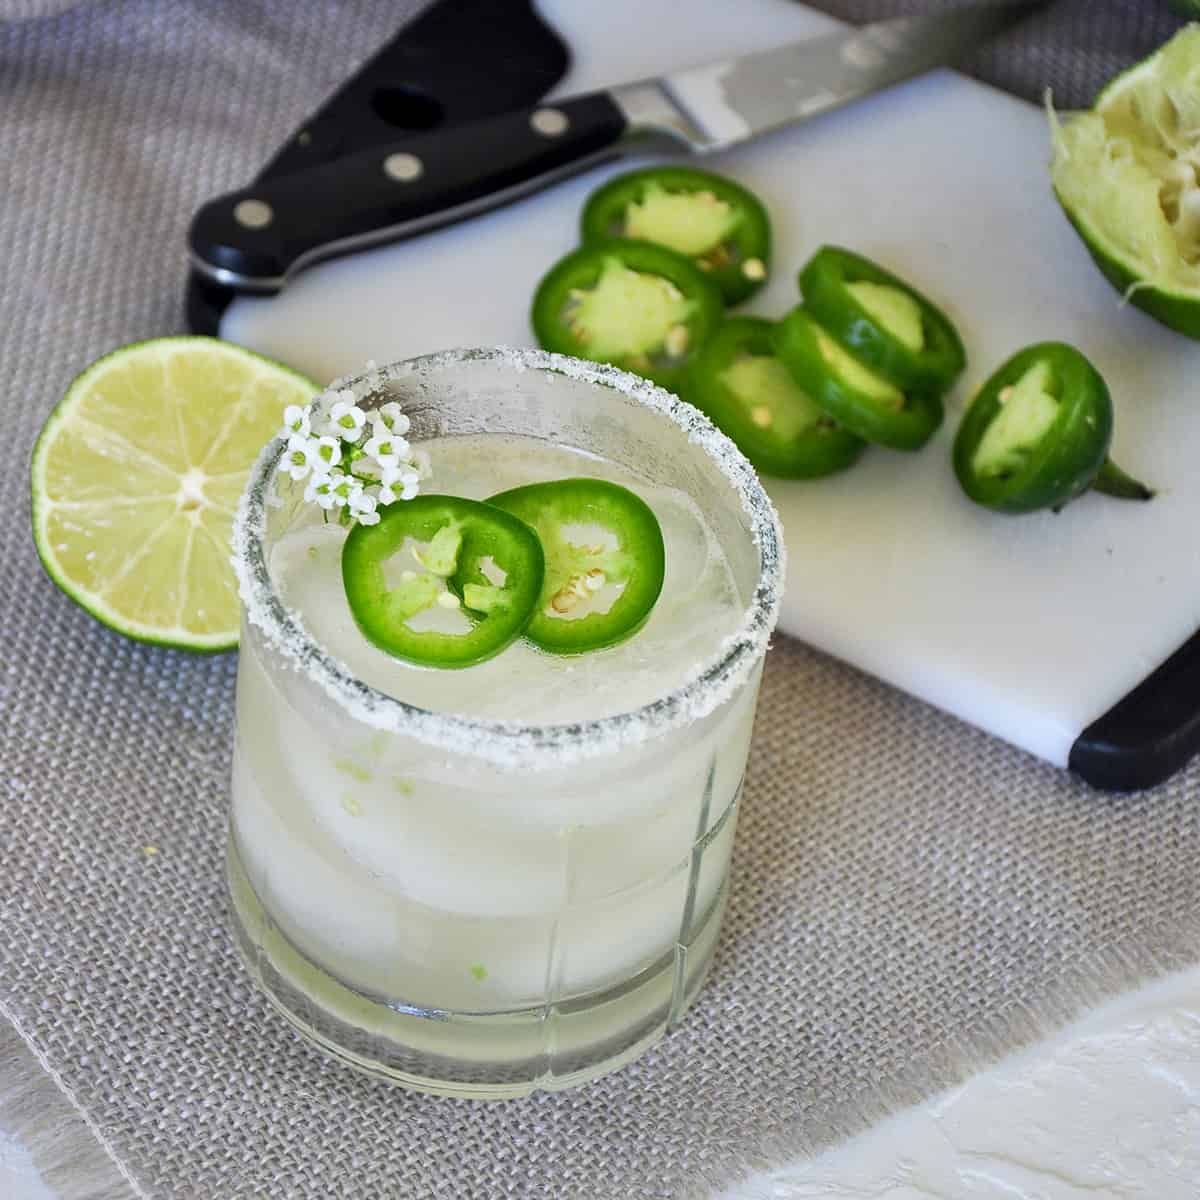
[[136, 476], [1127, 174]]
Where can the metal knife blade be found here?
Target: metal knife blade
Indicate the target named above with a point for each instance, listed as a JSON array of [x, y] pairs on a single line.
[[727, 102], [253, 240]]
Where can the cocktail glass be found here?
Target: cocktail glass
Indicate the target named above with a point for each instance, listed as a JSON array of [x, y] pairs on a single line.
[[473, 907]]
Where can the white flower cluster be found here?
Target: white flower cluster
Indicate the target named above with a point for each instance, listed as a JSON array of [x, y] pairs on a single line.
[[356, 461]]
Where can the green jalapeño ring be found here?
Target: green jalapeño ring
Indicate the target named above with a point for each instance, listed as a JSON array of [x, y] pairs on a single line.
[[510, 875]]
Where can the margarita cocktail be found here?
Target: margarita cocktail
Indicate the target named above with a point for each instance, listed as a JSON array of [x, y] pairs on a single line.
[[480, 845]]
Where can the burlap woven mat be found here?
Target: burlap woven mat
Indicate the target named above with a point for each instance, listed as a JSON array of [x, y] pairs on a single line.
[[909, 895]]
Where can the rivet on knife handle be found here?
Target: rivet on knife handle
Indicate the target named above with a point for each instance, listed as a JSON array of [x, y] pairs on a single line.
[[255, 238]]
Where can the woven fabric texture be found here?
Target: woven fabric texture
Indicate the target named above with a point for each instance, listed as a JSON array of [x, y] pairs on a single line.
[[909, 895]]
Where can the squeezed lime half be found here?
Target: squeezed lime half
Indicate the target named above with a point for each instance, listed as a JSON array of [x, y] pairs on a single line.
[[1127, 174]]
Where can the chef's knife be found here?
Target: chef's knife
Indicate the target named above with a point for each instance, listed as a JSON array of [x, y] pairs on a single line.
[[456, 61], [254, 239]]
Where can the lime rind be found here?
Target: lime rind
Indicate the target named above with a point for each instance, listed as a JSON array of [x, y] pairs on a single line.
[[1127, 175], [1179, 312], [154, 438]]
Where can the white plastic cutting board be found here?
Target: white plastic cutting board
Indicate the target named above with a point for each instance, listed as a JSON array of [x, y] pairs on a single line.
[[1030, 627]]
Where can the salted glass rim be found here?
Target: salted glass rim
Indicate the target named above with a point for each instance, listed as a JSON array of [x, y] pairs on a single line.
[[503, 742]]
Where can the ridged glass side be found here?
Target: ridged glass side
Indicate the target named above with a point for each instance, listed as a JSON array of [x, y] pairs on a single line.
[[466, 908], [461, 950]]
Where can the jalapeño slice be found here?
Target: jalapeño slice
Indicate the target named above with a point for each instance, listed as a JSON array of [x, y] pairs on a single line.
[[856, 397], [1037, 434], [604, 561], [633, 304], [741, 384], [885, 323], [720, 226], [442, 582]]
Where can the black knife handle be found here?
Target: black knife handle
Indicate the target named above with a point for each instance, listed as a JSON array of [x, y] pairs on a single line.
[[253, 238], [1147, 736]]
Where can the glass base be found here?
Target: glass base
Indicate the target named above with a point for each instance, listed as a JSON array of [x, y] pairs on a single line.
[[482, 1056]]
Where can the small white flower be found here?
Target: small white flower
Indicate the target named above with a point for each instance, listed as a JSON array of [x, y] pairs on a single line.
[[385, 448], [299, 456], [333, 490], [345, 488], [363, 506], [398, 483], [329, 453], [421, 463], [295, 422], [388, 479], [346, 419], [390, 416], [320, 490]]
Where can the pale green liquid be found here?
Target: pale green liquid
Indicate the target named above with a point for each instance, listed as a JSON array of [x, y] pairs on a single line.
[[546, 911]]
